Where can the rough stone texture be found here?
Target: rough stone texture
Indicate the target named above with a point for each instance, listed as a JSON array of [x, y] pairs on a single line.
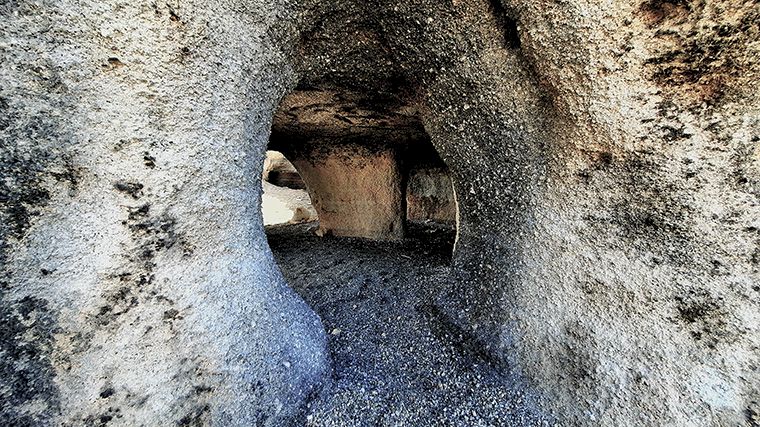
[[605, 159], [357, 194], [137, 285], [430, 196]]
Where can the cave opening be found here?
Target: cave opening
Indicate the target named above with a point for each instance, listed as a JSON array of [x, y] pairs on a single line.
[[284, 197], [370, 171], [371, 258]]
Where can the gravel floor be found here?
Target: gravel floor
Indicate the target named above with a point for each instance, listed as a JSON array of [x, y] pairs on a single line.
[[396, 361]]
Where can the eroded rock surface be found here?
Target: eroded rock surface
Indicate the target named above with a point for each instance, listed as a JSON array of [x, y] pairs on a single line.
[[137, 285], [605, 159]]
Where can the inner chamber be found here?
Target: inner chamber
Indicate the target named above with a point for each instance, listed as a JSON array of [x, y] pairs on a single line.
[[370, 169]]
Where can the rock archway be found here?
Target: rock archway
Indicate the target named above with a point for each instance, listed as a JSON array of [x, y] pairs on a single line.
[[604, 158]]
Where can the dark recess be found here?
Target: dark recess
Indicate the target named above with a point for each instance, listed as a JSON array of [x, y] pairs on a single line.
[[507, 24]]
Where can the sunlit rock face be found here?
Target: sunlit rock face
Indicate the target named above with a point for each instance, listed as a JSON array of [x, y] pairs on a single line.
[[605, 160], [280, 172], [284, 198]]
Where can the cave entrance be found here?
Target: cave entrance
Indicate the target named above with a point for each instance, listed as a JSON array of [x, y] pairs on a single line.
[[375, 260], [284, 198], [370, 169], [374, 254]]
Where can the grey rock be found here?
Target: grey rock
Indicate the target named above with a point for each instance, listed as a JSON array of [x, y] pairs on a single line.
[[604, 159]]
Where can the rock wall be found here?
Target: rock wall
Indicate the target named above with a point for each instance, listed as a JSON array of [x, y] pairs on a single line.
[[643, 248], [605, 159], [137, 285], [357, 195]]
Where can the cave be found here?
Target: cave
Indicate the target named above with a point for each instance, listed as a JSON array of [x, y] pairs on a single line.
[[601, 268], [369, 168], [371, 260]]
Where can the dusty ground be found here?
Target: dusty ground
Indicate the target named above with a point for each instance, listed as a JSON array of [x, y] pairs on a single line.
[[395, 360]]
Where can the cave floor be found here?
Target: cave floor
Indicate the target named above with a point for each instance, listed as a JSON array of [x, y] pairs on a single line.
[[396, 361]]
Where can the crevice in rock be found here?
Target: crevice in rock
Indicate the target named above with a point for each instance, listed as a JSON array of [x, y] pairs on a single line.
[[507, 24]]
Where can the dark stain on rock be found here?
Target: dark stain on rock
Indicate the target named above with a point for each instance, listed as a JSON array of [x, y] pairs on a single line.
[[202, 389], [171, 314], [702, 62], [657, 12], [655, 215], [113, 63], [136, 215], [752, 414], [584, 176], [755, 257], [107, 392], [605, 158], [21, 211], [173, 15], [596, 161], [155, 233], [117, 302], [133, 189], [696, 307], [197, 417], [148, 160], [23, 191], [669, 128], [743, 176], [33, 147], [672, 134], [102, 419], [27, 328], [5, 114], [151, 235], [704, 316]]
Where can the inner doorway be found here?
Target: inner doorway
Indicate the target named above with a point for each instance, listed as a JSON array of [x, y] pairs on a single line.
[[284, 197], [370, 169]]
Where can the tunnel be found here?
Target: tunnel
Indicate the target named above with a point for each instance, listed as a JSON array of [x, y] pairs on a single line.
[[367, 242], [511, 213], [370, 169]]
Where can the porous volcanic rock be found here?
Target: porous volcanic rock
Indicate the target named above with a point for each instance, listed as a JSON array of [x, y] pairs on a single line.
[[605, 159], [137, 284]]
